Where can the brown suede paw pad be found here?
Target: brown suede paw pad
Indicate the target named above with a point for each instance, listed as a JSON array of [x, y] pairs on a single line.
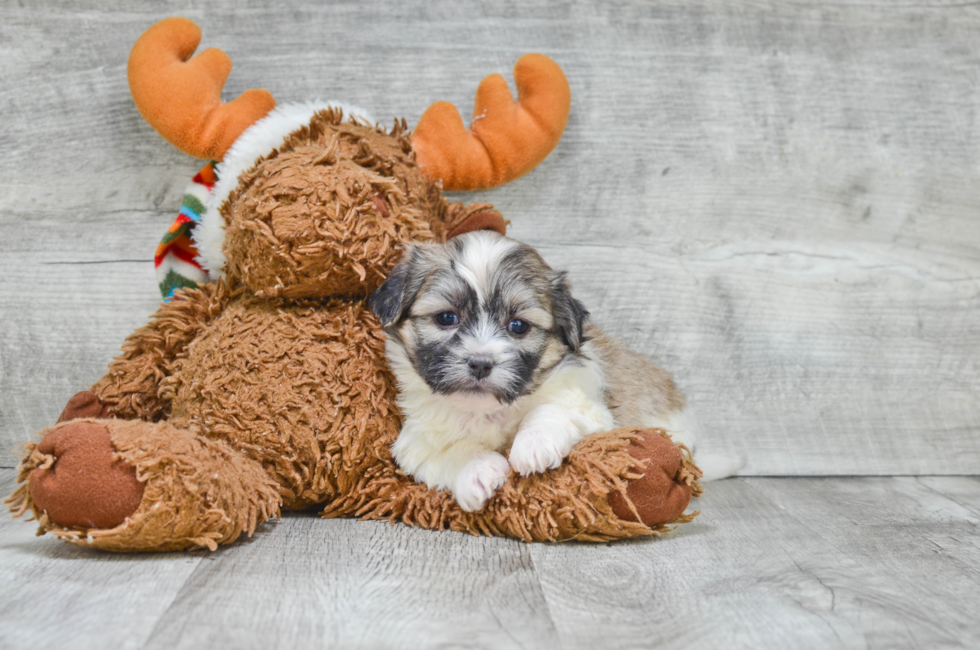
[[85, 487], [658, 496]]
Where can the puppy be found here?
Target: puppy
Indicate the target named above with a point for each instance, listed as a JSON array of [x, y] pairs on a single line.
[[492, 352]]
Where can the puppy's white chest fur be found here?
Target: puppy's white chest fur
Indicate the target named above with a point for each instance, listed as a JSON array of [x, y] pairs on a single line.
[[442, 434]]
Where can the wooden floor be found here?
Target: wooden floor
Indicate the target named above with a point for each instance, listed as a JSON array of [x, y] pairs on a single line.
[[771, 563], [779, 202]]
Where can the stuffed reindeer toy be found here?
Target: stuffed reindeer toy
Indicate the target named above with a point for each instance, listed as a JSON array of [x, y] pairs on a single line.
[[266, 387]]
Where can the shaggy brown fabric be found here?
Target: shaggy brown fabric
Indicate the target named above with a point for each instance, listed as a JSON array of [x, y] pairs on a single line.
[[300, 387], [197, 493], [570, 502], [131, 387], [272, 388], [86, 487], [305, 221]]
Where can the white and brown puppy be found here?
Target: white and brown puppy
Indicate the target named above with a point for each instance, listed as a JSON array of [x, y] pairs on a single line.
[[492, 352]]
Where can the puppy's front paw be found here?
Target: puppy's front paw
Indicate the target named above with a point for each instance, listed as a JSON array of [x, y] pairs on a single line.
[[479, 479], [539, 447]]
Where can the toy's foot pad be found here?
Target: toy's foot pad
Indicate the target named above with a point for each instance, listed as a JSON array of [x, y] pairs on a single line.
[[659, 496], [85, 487]]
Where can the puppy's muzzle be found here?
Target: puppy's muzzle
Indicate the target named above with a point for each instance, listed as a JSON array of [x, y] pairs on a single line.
[[480, 367]]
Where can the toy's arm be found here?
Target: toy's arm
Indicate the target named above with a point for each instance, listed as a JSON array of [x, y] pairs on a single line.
[[131, 387]]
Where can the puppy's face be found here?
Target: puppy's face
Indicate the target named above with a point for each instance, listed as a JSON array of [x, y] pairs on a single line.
[[481, 314]]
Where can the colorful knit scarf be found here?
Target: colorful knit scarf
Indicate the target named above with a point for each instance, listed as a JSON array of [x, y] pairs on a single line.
[[176, 256]]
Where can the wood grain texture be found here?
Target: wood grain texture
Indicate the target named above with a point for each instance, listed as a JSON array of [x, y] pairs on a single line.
[[57, 595], [777, 201], [964, 490], [771, 563], [302, 582], [310, 583], [782, 563]]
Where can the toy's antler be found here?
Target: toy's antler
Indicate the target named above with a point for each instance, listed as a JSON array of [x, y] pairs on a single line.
[[181, 97], [506, 139]]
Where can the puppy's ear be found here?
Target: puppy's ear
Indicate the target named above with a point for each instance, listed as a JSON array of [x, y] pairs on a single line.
[[569, 314], [392, 299]]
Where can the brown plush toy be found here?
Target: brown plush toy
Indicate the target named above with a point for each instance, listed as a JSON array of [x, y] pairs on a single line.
[[268, 388]]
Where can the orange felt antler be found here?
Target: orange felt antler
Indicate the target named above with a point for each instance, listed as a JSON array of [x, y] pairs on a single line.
[[181, 97], [506, 139]]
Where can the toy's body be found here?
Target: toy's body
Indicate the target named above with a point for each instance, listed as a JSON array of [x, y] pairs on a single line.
[[270, 389], [294, 408]]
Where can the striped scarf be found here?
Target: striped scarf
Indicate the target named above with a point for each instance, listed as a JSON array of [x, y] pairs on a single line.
[[176, 255]]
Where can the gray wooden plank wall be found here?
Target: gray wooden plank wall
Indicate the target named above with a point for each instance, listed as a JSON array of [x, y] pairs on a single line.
[[778, 201]]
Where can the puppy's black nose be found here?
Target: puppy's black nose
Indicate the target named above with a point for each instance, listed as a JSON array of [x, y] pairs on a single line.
[[480, 367]]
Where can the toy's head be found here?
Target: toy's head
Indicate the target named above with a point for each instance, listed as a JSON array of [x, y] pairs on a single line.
[[314, 200], [324, 213]]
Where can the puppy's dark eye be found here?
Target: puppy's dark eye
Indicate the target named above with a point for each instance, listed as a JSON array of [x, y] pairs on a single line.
[[517, 327], [447, 319]]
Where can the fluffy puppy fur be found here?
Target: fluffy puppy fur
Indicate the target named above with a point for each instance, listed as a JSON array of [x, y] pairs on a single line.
[[494, 356]]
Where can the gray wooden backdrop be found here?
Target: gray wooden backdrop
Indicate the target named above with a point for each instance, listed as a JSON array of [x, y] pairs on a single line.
[[778, 201]]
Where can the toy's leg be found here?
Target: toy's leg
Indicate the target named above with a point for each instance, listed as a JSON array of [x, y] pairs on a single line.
[[623, 483], [78, 483], [613, 485], [128, 485]]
